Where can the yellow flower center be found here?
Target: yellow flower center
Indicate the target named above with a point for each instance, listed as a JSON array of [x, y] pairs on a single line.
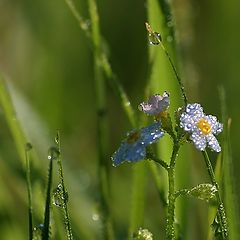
[[204, 126], [133, 137]]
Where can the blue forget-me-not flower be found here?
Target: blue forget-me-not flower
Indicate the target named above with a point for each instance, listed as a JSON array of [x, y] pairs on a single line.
[[201, 127], [133, 148]]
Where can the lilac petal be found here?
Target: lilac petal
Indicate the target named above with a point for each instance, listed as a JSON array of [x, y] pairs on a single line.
[[164, 103], [155, 104], [213, 143], [199, 140]]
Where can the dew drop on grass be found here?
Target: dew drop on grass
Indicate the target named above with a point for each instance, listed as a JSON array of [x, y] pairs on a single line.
[[86, 24], [95, 217], [37, 232], [59, 198], [57, 138], [143, 234], [28, 146], [154, 38], [170, 23], [53, 153], [169, 38]]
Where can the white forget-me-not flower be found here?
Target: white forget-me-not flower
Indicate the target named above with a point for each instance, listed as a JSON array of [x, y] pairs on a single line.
[[201, 127], [133, 148]]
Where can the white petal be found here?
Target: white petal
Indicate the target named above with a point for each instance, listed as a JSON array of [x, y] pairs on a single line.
[[199, 140], [187, 122], [194, 109], [213, 143], [216, 126]]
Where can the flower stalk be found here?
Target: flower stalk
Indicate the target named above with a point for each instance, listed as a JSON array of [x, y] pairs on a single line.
[[221, 210], [170, 232]]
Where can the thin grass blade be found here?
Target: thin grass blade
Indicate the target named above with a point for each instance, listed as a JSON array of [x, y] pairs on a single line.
[[48, 203], [230, 193]]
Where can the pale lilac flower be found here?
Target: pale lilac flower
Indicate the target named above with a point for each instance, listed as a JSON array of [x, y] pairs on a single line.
[[156, 104], [133, 148], [201, 127]]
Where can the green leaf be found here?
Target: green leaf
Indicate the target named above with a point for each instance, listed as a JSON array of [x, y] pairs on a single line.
[[204, 191]]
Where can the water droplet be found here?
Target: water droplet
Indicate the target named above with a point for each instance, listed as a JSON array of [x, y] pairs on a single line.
[[127, 104], [95, 217], [53, 153], [204, 191], [57, 138], [59, 198], [170, 23], [154, 38], [143, 234], [86, 24], [28, 146], [84, 180], [169, 38], [37, 232]]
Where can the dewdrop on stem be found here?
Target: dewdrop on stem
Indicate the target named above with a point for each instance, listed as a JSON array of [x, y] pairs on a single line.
[[59, 198], [154, 38], [53, 153]]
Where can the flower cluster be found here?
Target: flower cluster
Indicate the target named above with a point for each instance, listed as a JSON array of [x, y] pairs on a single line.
[[201, 127], [133, 148], [193, 121]]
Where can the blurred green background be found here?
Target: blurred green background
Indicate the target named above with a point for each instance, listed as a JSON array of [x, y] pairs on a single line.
[[48, 64]]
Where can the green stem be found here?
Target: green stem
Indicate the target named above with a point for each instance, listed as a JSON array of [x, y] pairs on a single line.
[[82, 23], [102, 125], [170, 232], [175, 73], [221, 210], [29, 190], [105, 65], [158, 161], [46, 228], [64, 192]]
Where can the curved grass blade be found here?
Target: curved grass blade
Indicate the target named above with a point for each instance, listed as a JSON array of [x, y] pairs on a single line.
[[53, 154], [102, 124], [29, 191], [230, 194], [63, 193], [137, 198], [103, 63], [11, 118]]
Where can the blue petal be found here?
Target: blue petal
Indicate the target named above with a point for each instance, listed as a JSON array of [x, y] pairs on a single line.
[[129, 152], [136, 152], [151, 133], [120, 155]]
